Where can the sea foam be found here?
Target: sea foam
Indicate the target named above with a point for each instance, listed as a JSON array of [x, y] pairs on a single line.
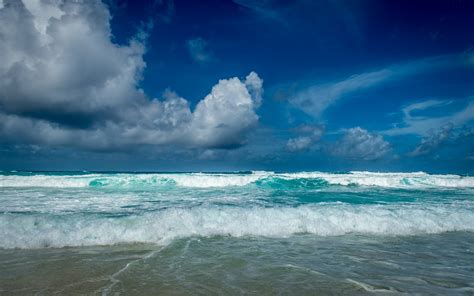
[[36, 231], [418, 180]]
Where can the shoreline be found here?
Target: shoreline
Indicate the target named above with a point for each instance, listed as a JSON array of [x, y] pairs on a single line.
[[302, 264]]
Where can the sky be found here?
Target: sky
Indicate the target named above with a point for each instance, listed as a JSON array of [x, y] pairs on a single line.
[[163, 85]]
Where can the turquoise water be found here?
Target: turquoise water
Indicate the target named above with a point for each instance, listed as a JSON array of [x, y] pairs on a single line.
[[249, 232]]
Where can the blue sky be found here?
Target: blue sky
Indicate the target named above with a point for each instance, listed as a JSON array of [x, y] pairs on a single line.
[[237, 85]]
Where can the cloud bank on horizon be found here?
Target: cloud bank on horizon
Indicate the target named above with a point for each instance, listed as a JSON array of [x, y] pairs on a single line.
[[76, 77]]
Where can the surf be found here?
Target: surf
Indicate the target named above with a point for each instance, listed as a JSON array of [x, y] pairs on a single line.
[[162, 227], [417, 180]]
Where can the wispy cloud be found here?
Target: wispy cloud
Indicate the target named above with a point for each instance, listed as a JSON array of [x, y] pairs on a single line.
[[166, 10], [434, 131], [262, 8], [424, 125], [317, 97], [198, 50]]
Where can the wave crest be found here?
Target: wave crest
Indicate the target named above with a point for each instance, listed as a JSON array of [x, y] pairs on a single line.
[[418, 180], [19, 231]]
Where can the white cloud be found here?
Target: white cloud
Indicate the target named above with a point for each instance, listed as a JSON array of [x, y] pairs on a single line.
[[226, 114], [64, 82], [359, 144]]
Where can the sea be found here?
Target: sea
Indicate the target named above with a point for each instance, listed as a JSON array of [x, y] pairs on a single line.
[[240, 233]]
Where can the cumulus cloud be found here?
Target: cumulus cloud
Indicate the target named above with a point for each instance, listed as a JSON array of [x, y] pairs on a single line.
[[434, 140], [299, 143], [225, 115], [359, 144], [198, 50], [63, 82], [255, 86], [309, 135]]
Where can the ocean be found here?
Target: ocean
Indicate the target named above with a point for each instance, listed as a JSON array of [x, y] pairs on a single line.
[[244, 233]]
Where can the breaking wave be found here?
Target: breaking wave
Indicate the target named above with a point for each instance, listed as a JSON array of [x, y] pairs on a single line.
[[417, 180], [19, 231]]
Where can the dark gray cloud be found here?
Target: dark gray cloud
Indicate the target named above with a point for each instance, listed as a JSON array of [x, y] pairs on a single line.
[[359, 144], [63, 82]]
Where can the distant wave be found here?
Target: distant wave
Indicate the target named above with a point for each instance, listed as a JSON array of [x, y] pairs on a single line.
[[36, 231], [418, 180]]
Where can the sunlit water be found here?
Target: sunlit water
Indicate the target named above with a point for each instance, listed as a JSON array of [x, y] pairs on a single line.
[[242, 233]]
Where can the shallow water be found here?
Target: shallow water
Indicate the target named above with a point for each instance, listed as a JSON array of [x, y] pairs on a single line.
[[255, 233], [300, 265]]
